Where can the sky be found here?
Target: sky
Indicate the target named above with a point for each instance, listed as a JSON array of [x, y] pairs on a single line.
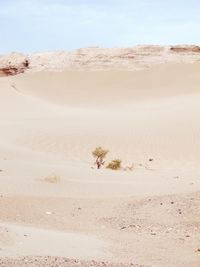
[[48, 25]]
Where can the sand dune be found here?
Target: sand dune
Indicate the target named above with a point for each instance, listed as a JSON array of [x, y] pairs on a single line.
[[70, 113], [50, 123]]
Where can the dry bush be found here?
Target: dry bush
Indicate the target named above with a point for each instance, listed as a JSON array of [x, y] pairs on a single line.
[[52, 179], [129, 168], [114, 164], [99, 153]]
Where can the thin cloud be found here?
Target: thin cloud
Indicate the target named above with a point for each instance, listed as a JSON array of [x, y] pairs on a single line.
[[40, 25]]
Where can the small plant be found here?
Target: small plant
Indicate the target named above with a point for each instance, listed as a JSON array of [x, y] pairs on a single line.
[[114, 164], [99, 153], [129, 168]]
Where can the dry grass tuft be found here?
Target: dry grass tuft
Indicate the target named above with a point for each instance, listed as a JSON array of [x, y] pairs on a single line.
[[129, 168], [114, 165], [52, 179]]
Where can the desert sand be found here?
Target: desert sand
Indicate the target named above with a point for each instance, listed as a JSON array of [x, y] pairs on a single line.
[[57, 209]]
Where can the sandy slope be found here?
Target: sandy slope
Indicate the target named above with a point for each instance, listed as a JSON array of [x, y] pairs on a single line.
[[50, 122]]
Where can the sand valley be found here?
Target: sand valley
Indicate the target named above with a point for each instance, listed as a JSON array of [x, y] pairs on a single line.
[[142, 104]]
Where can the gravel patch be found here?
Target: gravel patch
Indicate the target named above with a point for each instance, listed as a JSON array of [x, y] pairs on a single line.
[[58, 262]]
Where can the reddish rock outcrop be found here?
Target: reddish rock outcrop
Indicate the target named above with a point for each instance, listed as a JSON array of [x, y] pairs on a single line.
[[13, 64], [14, 70], [186, 49]]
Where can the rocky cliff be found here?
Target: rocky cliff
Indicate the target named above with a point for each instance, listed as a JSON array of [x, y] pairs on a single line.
[[95, 58]]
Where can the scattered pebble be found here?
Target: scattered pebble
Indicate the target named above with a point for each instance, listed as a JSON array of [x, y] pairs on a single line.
[[169, 230], [153, 233], [130, 226], [179, 211]]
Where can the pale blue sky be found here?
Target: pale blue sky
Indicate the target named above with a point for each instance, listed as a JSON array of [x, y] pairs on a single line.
[[46, 25]]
